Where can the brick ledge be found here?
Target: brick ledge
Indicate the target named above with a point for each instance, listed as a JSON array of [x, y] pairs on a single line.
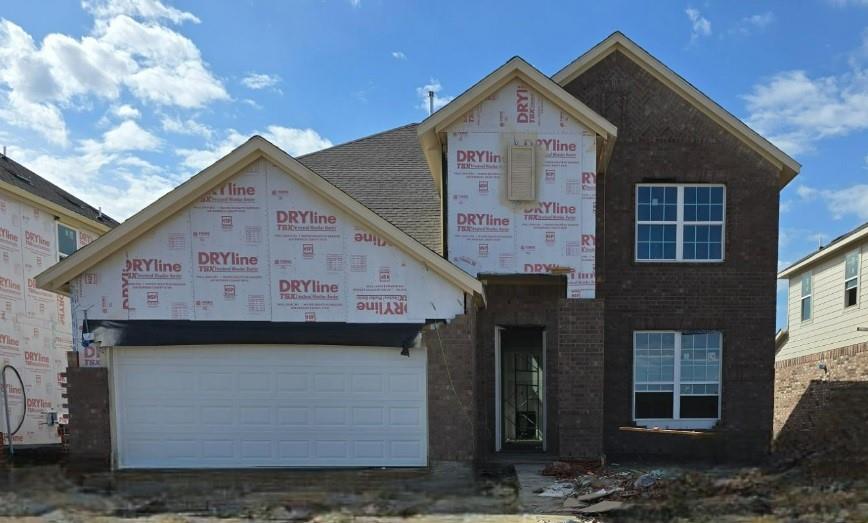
[[849, 350]]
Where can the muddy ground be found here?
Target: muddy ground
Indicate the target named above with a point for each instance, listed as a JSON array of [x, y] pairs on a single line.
[[813, 491]]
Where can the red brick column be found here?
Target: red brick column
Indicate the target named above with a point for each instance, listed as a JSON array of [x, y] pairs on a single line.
[[89, 427], [451, 399], [580, 378]]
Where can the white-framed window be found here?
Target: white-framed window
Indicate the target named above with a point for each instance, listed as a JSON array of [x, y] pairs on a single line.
[[680, 222], [676, 378], [806, 306], [67, 240], [851, 279]]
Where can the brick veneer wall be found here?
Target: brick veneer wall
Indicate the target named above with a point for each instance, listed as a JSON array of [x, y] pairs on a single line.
[[662, 138], [580, 378], [89, 425], [819, 411], [451, 389], [520, 302]]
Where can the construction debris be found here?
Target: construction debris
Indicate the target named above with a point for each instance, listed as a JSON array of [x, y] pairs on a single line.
[[816, 491], [604, 506], [597, 494], [561, 489], [574, 503]]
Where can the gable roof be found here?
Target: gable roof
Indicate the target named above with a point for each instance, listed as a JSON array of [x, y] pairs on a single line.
[[57, 277], [387, 173], [22, 182], [835, 246], [431, 128], [617, 41]]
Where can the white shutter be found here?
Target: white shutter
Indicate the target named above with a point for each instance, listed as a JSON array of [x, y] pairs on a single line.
[[521, 183]]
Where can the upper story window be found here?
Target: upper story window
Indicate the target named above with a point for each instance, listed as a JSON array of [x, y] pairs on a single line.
[[806, 297], [680, 223], [851, 279], [67, 240], [676, 376]]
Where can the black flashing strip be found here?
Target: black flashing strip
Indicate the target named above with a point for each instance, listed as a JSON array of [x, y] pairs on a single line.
[[137, 333]]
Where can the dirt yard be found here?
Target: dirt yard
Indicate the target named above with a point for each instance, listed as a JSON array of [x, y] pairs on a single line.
[[811, 492]]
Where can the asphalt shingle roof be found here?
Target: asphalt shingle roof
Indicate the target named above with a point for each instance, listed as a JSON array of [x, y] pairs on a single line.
[[832, 243], [16, 174], [387, 173]]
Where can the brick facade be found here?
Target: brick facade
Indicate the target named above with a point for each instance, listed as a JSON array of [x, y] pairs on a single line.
[[518, 302], [89, 424], [580, 378], [822, 411], [451, 389], [573, 361], [662, 138], [588, 343]]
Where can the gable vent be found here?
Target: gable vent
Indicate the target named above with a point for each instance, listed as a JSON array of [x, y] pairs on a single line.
[[521, 183]]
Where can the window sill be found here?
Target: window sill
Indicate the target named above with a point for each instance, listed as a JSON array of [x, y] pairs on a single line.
[[677, 424], [669, 263], [679, 432]]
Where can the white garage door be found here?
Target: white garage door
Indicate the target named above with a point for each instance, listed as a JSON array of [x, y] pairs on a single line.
[[275, 406]]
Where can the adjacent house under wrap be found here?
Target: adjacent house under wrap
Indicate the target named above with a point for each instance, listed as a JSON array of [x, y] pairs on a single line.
[[561, 265], [40, 223]]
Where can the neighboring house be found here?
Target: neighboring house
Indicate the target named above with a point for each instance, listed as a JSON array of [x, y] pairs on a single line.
[[558, 265], [39, 224], [821, 362]]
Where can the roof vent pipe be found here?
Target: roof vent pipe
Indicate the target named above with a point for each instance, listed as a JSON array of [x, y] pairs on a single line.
[[430, 110]]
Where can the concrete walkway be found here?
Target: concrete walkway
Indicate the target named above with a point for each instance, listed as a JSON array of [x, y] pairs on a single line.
[[530, 481]]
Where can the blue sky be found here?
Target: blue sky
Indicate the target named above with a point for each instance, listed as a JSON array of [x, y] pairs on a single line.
[[118, 100]]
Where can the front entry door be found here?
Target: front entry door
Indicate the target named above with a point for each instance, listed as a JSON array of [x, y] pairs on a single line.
[[522, 373]]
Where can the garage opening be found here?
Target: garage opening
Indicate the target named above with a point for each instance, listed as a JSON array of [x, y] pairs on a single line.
[[244, 406]]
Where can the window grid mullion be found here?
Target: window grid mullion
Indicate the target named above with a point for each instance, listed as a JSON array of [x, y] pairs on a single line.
[[676, 378], [679, 227]]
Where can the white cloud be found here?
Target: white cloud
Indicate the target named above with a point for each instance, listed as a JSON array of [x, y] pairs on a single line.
[[806, 193], [190, 127], [198, 159], [700, 26], [45, 119], [753, 23], [439, 101], [155, 63], [296, 142], [399, 55], [761, 20], [356, 3], [128, 136], [260, 80], [848, 201], [81, 173], [795, 110], [126, 112], [147, 9]]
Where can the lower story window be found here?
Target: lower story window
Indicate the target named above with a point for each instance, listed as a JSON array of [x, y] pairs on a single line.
[[676, 377]]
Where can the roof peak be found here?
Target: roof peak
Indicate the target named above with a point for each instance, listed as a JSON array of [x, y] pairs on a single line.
[[618, 41]]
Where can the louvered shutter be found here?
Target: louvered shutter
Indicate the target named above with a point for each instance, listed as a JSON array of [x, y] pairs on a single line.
[[521, 183]]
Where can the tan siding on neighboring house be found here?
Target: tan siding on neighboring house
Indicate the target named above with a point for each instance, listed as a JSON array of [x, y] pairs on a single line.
[[831, 325]]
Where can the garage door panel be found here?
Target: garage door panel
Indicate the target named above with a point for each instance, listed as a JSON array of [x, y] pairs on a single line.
[[275, 406]]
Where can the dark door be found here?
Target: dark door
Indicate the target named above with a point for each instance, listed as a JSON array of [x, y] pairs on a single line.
[[522, 382]]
